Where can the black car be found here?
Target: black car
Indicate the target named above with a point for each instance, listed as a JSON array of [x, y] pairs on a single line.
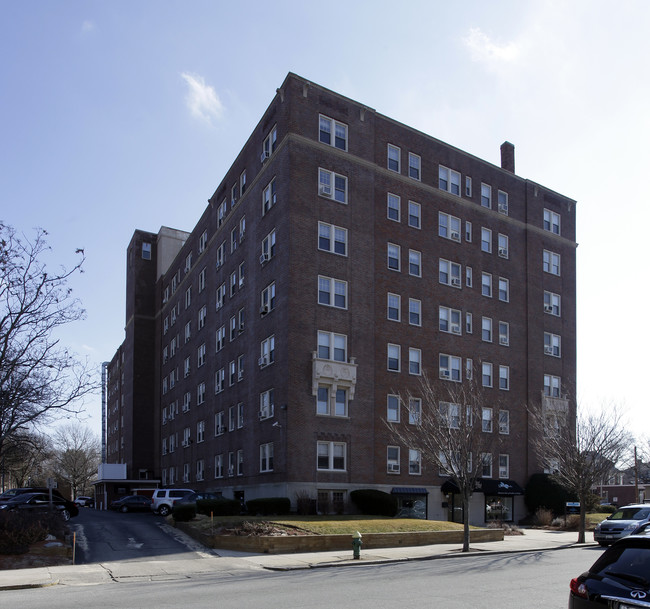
[[14, 492], [132, 503], [40, 502], [619, 578]]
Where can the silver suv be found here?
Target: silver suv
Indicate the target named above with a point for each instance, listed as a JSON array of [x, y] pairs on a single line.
[[163, 499], [621, 523]]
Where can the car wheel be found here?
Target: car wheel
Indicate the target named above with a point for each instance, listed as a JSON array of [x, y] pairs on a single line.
[[65, 514], [124, 509], [163, 510]]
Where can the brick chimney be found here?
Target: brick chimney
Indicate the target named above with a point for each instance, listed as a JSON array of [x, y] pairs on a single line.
[[508, 157]]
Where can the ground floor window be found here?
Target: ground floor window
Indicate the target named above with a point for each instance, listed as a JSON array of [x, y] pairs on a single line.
[[498, 507], [331, 502]]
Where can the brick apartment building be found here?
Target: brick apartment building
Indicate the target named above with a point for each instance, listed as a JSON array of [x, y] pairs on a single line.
[[341, 256]]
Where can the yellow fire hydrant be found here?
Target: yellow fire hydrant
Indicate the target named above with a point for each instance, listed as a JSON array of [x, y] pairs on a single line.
[[356, 545]]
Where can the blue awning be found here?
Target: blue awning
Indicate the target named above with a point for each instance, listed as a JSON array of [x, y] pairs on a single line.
[[403, 490]]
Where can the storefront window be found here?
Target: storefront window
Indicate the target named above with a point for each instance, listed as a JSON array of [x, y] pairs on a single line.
[[498, 508]]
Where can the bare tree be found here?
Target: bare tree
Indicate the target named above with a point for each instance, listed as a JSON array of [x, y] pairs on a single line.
[[76, 456], [38, 377], [22, 463], [580, 458], [448, 428]]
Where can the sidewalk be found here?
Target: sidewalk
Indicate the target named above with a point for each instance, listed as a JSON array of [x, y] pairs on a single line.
[[229, 562]]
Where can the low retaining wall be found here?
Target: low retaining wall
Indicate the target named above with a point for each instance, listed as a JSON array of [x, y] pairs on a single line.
[[323, 543]]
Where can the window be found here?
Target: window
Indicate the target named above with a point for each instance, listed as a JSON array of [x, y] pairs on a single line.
[[468, 232], [333, 239], [551, 262], [468, 186], [414, 166], [551, 221], [415, 411], [332, 346], [393, 257], [468, 323], [332, 292], [486, 240], [242, 228], [270, 142], [240, 368], [186, 472], [394, 357], [486, 329], [200, 356], [486, 465], [449, 180], [242, 182], [221, 338], [415, 263], [486, 368], [188, 297], [202, 281], [448, 226], [203, 241], [200, 431], [146, 251], [332, 133], [220, 296], [414, 214], [166, 325], [186, 367], [268, 247], [486, 196], [232, 373], [450, 413], [415, 312], [218, 466], [188, 331], [266, 457], [267, 303], [269, 197], [504, 290], [450, 367], [449, 273], [266, 404], [219, 380], [324, 404], [234, 194], [221, 212], [502, 202], [469, 369], [392, 409], [502, 244], [200, 393], [221, 255], [187, 399], [393, 158], [504, 466], [242, 270], [504, 333], [203, 312], [392, 459], [267, 351], [234, 239], [486, 284], [552, 344], [394, 307], [240, 462], [332, 186], [331, 456], [468, 276], [504, 422], [504, 377], [415, 361], [449, 320], [552, 303], [219, 423], [393, 207], [552, 385], [486, 420]]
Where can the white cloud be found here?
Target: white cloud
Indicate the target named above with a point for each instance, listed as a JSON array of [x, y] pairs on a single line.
[[484, 49], [202, 99]]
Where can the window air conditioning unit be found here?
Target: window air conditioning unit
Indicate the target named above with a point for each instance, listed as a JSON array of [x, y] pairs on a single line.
[[265, 155], [455, 236], [503, 340], [264, 309], [219, 263], [455, 329], [548, 349], [325, 190], [444, 373], [263, 361], [240, 328], [231, 471], [503, 252], [240, 375], [548, 308], [393, 468], [503, 208], [264, 258], [455, 281]]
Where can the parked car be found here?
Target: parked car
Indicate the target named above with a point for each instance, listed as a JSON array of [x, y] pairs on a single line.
[[621, 523], [131, 503], [40, 502], [13, 492], [82, 500], [619, 578], [163, 499], [192, 498]]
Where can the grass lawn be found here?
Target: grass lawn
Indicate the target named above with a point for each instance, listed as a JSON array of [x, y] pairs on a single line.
[[332, 525]]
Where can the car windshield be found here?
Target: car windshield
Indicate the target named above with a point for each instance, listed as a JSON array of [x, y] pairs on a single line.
[[629, 562], [630, 513]]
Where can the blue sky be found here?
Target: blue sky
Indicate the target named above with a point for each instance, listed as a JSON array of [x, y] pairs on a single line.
[[117, 115]]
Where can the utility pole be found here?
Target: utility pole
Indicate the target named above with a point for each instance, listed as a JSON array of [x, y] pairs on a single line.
[[636, 477]]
